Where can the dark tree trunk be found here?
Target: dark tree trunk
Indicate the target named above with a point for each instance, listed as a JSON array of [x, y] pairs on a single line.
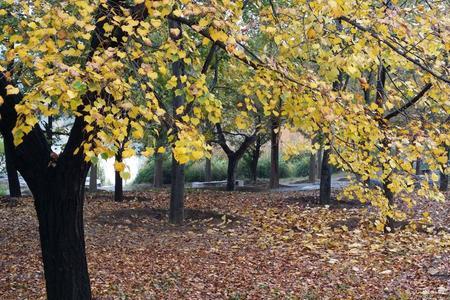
[[231, 173], [13, 176], [418, 163], [312, 167], [443, 182], [118, 183], [57, 185], [208, 172], [59, 207], [390, 198], [93, 178], [49, 130], [275, 154], [325, 178], [319, 162], [256, 153], [176, 212], [158, 170]]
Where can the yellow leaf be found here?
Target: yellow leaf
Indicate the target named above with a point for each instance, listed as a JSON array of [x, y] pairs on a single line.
[[155, 22], [11, 90], [148, 152], [161, 150], [108, 27], [119, 166]]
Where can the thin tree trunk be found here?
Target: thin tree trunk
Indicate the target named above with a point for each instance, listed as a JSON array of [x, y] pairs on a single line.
[[13, 176], [118, 182], [176, 211], [418, 163], [274, 154], [325, 178], [312, 167], [256, 153], [443, 182], [49, 130], [208, 172], [158, 170], [231, 173], [93, 178]]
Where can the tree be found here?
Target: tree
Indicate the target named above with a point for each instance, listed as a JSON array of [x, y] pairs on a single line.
[[233, 155], [11, 171], [93, 176]]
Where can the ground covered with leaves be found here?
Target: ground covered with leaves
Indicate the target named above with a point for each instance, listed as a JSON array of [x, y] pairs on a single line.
[[241, 245]]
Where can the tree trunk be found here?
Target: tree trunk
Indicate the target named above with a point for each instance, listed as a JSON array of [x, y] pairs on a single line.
[[418, 163], [93, 178], [274, 154], [49, 130], [208, 173], [319, 162], [118, 183], [390, 198], [254, 163], [325, 178], [13, 176], [443, 182], [158, 170], [312, 167], [231, 173], [176, 212], [59, 207]]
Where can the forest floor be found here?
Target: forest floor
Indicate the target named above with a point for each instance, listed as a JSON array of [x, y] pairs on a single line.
[[239, 245]]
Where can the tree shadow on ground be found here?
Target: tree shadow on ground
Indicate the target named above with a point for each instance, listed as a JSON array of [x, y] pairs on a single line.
[[156, 219]]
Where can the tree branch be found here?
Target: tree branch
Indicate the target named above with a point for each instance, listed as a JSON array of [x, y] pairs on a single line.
[[408, 104], [395, 49]]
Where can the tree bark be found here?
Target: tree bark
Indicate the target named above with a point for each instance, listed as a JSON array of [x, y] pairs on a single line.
[[59, 207], [418, 163], [13, 176], [208, 172], [57, 185], [93, 178], [176, 210], [118, 183], [312, 167], [158, 170], [319, 162], [231, 173], [275, 154], [256, 153], [325, 178]]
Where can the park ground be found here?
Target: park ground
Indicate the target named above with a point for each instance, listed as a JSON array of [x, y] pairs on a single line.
[[239, 245]]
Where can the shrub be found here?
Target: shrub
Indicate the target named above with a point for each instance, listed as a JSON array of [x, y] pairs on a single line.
[[194, 171], [300, 165]]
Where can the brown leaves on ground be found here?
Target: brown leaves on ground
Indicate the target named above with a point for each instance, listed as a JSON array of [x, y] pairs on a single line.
[[234, 246]]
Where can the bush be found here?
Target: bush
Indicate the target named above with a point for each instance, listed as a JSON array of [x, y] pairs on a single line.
[[194, 171], [263, 168], [146, 173], [300, 165]]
